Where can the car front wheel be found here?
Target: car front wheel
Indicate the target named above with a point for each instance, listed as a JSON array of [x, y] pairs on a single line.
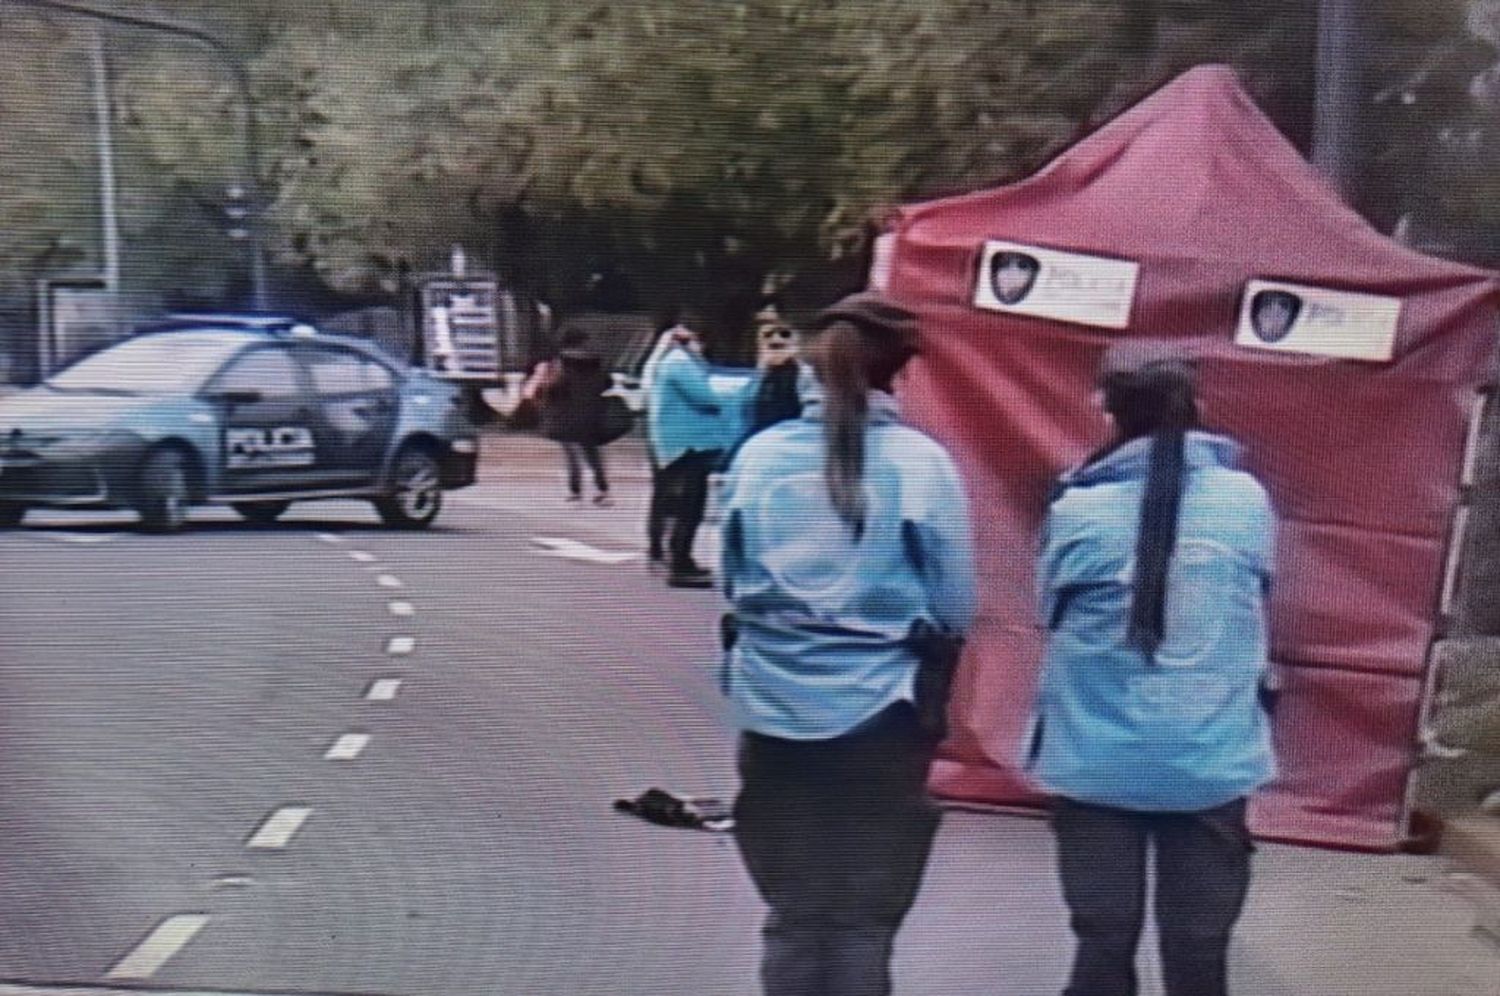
[[417, 492], [11, 514], [261, 513], [164, 493]]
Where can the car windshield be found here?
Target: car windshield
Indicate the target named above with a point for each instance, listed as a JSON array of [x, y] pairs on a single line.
[[163, 363]]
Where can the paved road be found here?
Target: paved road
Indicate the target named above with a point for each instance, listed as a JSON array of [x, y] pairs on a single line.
[[165, 697]]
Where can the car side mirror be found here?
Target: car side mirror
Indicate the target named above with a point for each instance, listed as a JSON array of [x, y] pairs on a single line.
[[237, 397]]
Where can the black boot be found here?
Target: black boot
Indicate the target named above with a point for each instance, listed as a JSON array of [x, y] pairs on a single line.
[[686, 574]]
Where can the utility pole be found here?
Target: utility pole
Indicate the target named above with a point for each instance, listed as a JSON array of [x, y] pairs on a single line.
[[249, 140], [1339, 95], [104, 116]]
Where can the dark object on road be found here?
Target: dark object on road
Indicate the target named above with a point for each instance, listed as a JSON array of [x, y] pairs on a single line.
[[665, 809]]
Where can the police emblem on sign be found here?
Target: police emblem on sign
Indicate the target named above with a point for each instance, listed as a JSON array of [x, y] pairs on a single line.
[[1273, 314], [1012, 276], [1021, 279]]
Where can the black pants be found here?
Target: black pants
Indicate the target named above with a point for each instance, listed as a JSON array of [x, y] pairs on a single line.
[[682, 487], [835, 834], [657, 516], [577, 454], [1202, 876]]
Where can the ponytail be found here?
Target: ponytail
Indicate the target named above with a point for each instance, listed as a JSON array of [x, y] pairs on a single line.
[[864, 342], [1155, 541], [839, 354], [1155, 401]]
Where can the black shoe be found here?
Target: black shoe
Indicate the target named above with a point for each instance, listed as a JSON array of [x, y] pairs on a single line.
[[691, 569], [697, 578]]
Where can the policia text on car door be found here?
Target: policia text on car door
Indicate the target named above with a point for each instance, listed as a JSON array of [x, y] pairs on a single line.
[[269, 443]]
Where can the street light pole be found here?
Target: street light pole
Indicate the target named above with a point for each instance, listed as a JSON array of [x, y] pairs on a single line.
[[239, 71], [1339, 100], [104, 130]]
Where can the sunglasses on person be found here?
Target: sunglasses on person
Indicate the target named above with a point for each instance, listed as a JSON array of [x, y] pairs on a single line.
[[776, 333]]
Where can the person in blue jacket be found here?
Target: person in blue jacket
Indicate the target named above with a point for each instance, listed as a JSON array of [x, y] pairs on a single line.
[[844, 531], [687, 431], [1148, 728]]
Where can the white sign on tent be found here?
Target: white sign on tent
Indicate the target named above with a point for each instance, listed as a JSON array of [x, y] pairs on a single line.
[[1049, 283], [1293, 318]]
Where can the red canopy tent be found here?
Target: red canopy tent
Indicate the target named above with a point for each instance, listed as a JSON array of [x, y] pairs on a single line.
[[1180, 220]]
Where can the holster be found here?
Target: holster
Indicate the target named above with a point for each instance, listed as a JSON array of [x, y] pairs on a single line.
[[938, 654]]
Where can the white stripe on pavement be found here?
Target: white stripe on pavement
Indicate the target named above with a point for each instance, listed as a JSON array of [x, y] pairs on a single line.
[[361, 556], [401, 608], [160, 945], [347, 747], [383, 690], [388, 581], [570, 549], [330, 538], [82, 539], [400, 646], [277, 830]]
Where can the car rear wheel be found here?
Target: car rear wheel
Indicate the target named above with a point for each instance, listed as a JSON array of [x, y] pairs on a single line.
[[11, 514], [417, 492], [261, 513], [164, 492]]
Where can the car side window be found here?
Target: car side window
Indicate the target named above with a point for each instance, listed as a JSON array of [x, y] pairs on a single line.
[[335, 371], [271, 372]]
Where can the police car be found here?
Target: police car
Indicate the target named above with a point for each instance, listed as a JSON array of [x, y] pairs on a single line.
[[255, 413]]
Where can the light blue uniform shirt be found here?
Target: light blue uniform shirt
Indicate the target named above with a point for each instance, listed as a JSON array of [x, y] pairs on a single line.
[[685, 411], [1184, 731], [822, 617]]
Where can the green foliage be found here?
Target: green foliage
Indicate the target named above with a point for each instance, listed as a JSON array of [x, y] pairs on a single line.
[[708, 147], [48, 213]]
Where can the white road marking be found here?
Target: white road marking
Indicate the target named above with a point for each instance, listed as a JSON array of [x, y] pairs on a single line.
[[277, 830], [160, 945], [570, 549], [362, 556], [82, 539], [233, 881], [330, 538], [383, 690], [401, 608], [388, 581], [400, 646], [348, 747]]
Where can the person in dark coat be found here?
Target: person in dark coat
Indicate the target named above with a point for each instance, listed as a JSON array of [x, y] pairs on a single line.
[[573, 412]]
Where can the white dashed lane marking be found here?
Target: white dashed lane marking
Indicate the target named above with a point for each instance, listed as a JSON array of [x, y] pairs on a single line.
[[348, 747], [278, 829], [400, 646], [330, 538], [388, 581], [361, 556], [383, 690], [160, 945], [81, 539], [401, 609]]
